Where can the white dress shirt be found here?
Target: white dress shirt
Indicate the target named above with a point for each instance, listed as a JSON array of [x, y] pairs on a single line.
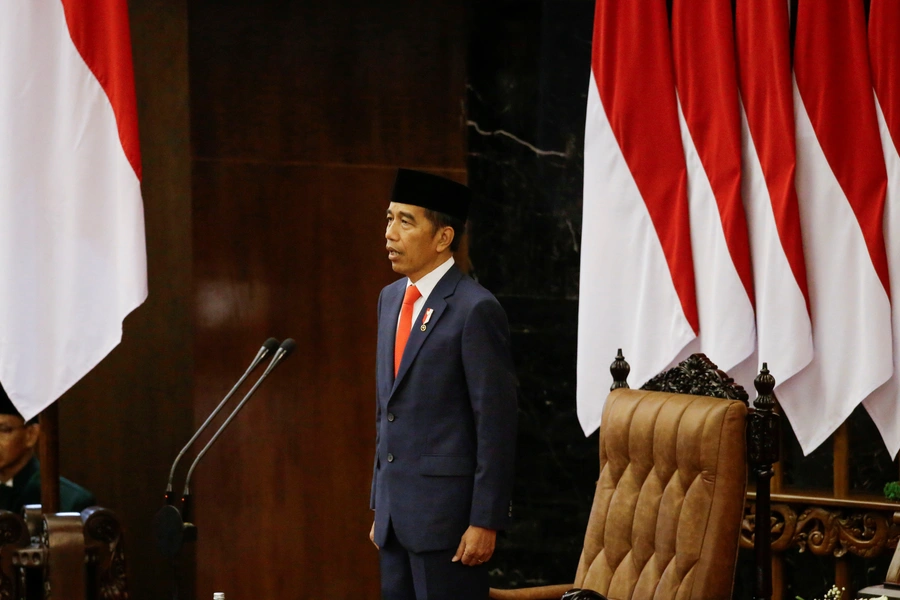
[[426, 286]]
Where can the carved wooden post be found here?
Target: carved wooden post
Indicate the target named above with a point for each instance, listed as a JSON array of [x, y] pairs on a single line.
[[13, 535], [103, 535], [620, 370], [48, 454], [764, 435]]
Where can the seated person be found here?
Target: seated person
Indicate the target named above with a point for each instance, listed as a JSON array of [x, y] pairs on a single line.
[[20, 475]]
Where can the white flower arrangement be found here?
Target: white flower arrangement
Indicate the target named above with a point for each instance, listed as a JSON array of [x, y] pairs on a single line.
[[837, 594], [833, 594]]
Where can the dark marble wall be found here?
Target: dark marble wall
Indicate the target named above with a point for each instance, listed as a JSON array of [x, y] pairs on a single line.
[[528, 75]]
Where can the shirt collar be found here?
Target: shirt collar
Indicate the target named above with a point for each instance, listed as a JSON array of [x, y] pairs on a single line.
[[427, 283]]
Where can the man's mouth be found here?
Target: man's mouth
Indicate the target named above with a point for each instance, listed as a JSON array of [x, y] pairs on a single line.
[[392, 253]]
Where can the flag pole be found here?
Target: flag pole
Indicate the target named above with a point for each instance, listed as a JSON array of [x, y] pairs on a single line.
[[48, 454]]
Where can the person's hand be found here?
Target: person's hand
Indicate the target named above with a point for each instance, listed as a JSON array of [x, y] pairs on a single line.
[[476, 546], [372, 535]]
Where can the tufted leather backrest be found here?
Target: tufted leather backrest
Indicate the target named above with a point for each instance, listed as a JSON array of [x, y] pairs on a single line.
[[666, 517]]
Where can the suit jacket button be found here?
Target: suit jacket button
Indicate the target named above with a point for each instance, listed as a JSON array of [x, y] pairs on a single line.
[[391, 417], [390, 457]]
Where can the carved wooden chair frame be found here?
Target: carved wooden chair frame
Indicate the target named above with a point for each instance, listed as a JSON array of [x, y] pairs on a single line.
[[87, 550]]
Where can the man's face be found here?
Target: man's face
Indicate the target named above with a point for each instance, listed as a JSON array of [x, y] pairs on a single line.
[[17, 441], [414, 245]]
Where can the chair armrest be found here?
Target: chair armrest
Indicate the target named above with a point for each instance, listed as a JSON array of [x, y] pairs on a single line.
[[544, 592]]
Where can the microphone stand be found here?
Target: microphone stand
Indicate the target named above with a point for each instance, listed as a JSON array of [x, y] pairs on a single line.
[[174, 527], [171, 529], [268, 346], [287, 346]]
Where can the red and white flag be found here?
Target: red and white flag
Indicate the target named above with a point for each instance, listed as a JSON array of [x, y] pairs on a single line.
[[841, 183], [706, 79], [72, 252], [884, 56], [784, 331], [637, 281]]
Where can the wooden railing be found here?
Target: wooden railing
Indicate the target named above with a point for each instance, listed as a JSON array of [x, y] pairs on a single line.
[[829, 523]]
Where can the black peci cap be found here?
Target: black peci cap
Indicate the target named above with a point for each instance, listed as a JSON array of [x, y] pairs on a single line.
[[6, 405], [8, 408], [432, 192]]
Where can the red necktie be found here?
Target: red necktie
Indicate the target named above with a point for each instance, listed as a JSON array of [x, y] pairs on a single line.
[[412, 294]]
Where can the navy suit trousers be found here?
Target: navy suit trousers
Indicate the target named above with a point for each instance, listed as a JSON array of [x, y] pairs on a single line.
[[428, 575]]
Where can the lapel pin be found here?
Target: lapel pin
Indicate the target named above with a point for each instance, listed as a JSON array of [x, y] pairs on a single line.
[[426, 318]]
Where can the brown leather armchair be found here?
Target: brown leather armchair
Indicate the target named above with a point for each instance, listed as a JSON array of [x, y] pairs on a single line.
[[666, 518]]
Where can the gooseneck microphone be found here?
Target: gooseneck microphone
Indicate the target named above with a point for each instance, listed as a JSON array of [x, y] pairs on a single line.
[[268, 347], [173, 526], [287, 346]]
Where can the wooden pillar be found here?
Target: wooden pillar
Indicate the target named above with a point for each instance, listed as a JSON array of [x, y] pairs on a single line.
[[778, 558], [48, 454], [841, 469], [842, 576], [777, 577], [841, 448]]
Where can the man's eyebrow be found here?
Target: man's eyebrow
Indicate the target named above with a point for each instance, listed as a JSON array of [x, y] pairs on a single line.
[[401, 213]]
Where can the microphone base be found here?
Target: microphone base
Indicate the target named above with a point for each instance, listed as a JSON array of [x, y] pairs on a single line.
[[190, 532], [171, 531]]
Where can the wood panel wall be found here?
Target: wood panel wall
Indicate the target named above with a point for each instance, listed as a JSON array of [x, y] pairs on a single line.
[[300, 114], [122, 424]]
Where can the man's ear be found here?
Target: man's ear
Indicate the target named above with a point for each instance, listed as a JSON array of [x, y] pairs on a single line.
[[445, 238], [32, 433]]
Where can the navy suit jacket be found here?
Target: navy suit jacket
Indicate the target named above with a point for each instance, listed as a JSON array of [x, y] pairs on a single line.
[[446, 426]]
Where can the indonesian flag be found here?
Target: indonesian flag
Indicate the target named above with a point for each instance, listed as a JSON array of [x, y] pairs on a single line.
[[72, 254], [884, 55], [637, 281], [705, 75], [841, 185], [769, 157]]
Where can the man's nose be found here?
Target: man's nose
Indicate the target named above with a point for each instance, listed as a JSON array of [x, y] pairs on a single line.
[[390, 233]]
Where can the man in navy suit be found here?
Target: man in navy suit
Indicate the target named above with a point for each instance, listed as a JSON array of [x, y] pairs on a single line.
[[446, 405]]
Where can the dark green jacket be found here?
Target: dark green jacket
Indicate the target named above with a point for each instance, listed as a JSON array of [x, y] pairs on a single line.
[[26, 489]]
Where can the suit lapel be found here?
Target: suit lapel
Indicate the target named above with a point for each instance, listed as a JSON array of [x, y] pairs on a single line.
[[435, 301], [387, 324]]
